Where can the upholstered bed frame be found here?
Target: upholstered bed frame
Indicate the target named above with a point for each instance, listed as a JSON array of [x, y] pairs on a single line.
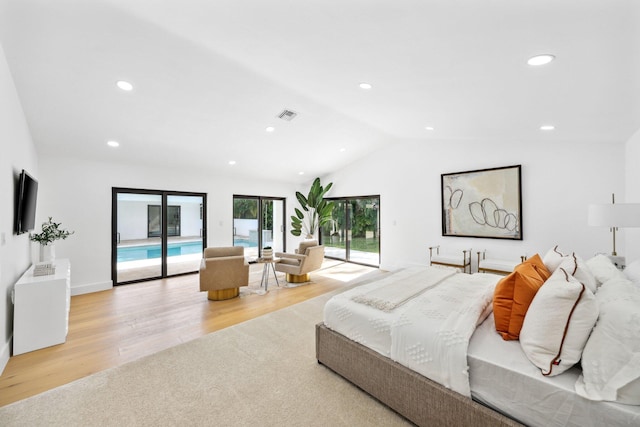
[[412, 395]]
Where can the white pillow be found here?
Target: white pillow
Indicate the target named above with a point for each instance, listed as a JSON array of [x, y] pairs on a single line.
[[558, 323], [611, 358], [632, 272], [603, 269], [575, 266], [553, 258]]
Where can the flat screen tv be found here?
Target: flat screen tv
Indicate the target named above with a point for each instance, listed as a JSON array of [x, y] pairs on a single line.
[[27, 194]]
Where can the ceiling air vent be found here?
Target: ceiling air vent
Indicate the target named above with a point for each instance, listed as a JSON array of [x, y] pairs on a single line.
[[287, 115]]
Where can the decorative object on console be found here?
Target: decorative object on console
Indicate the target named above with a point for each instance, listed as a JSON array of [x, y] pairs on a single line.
[[51, 232], [615, 215], [267, 252], [317, 211], [483, 203], [450, 260]]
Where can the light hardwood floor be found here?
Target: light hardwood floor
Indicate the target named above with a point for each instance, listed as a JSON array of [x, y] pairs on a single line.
[[109, 328]]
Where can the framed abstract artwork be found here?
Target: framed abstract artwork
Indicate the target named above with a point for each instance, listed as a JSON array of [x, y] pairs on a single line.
[[483, 203]]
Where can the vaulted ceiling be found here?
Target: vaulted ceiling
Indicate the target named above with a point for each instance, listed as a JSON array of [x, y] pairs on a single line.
[[209, 76]]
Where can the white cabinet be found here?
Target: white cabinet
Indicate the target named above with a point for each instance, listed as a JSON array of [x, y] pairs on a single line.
[[41, 309]]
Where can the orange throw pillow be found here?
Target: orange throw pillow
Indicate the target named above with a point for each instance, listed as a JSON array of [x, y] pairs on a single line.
[[513, 295]]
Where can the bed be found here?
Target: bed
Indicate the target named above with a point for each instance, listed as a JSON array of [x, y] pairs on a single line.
[[362, 339]]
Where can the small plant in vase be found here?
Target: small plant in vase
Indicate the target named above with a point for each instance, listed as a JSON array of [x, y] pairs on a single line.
[[267, 252], [51, 232]]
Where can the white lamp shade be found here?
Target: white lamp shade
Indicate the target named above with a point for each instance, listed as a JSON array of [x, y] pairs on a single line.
[[615, 215]]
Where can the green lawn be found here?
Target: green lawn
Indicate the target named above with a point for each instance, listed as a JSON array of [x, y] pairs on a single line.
[[357, 244]]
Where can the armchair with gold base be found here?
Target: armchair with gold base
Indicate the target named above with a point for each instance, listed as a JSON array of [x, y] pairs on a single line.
[[297, 266], [222, 271]]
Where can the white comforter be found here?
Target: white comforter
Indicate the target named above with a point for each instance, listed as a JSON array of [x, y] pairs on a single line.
[[429, 333], [432, 335]]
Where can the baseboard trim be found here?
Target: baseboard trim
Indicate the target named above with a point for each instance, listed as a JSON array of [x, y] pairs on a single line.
[[91, 287], [5, 354]]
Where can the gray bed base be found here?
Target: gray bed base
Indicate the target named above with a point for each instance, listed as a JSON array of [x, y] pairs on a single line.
[[417, 398]]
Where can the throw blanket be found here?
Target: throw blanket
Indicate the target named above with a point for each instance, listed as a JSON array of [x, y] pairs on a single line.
[[403, 287], [432, 334]]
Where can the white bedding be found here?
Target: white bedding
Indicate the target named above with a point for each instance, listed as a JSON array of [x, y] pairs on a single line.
[[431, 336], [451, 309], [362, 323], [502, 377]]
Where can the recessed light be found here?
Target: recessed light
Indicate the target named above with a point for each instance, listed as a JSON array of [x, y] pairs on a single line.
[[342, 150], [540, 59], [113, 143], [365, 86], [547, 127], [270, 129], [232, 162], [429, 127], [300, 173], [124, 85]]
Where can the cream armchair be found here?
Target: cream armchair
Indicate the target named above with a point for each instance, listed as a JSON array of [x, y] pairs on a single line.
[[222, 272], [308, 257]]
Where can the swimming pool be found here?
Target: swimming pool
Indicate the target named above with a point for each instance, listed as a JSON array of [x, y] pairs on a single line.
[[135, 253], [244, 242]]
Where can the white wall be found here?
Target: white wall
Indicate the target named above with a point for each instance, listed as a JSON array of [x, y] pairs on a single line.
[[133, 221], [559, 181], [632, 195], [78, 194], [18, 152]]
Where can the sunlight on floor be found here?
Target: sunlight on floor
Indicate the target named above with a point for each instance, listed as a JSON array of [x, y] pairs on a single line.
[[343, 271]]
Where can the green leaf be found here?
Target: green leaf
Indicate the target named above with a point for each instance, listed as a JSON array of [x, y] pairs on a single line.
[[299, 213], [302, 200]]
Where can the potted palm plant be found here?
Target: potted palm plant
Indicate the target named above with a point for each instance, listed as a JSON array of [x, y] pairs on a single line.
[[51, 232], [316, 211]]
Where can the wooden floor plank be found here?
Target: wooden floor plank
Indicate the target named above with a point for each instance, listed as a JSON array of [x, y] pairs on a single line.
[[112, 327]]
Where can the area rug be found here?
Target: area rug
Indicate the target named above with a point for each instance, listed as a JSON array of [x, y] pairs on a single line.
[[334, 269], [260, 372]]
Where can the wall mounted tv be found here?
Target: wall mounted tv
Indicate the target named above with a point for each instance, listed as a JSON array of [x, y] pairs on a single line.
[[26, 196]]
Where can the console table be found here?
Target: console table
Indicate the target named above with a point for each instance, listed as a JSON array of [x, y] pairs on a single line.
[[41, 308]]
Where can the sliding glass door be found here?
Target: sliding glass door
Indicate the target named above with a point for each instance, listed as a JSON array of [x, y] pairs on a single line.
[[258, 222], [156, 234], [353, 234]]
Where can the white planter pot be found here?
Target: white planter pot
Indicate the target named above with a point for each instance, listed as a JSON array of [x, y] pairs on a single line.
[[47, 253], [267, 253]]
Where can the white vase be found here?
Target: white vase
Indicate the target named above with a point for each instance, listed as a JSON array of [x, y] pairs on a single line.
[[267, 253], [47, 253]]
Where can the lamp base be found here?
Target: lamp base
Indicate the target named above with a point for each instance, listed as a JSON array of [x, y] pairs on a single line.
[[619, 261]]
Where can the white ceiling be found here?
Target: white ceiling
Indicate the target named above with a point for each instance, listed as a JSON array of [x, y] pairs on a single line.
[[210, 75]]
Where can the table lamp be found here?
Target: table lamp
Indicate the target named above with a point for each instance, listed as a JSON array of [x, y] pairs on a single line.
[[614, 215]]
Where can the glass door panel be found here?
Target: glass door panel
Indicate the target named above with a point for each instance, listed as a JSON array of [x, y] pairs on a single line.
[[273, 224], [364, 245], [245, 224], [334, 233], [138, 237], [154, 221], [173, 218], [353, 234], [184, 233]]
